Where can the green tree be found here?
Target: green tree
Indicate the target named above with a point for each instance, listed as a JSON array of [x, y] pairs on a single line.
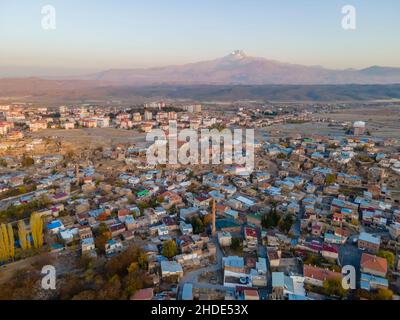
[[389, 256], [236, 245], [142, 206], [142, 261], [286, 223], [197, 224], [169, 249], [333, 287], [270, 220], [330, 178], [102, 229]]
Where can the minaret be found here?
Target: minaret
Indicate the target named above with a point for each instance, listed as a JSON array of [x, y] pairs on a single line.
[[77, 174], [214, 228]]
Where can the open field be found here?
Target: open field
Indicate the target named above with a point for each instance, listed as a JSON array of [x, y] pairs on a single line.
[[382, 122], [96, 136]]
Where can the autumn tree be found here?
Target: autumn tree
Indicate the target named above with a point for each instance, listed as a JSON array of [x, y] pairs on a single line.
[[111, 290], [3, 248], [27, 161], [4, 243], [134, 281], [384, 294], [286, 223], [23, 236], [37, 230], [207, 219], [11, 241], [330, 178], [169, 249], [120, 263]]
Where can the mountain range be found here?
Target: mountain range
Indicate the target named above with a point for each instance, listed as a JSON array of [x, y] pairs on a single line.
[[239, 69], [235, 76]]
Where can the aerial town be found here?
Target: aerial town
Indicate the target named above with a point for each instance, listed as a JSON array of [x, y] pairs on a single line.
[[77, 193]]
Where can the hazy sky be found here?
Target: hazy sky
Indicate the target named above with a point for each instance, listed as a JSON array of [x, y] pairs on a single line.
[[102, 34]]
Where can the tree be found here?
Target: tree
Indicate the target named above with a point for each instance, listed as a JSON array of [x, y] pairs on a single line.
[[330, 178], [333, 287], [153, 203], [37, 230], [102, 229], [207, 219], [70, 155], [169, 249], [197, 224], [389, 256], [270, 220], [11, 240], [120, 263], [384, 294], [133, 267], [5, 242], [111, 290], [3, 163], [100, 242], [85, 295], [27, 161], [142, 261], [134, 281], [172, 210], [142, 206], [3, 248], [236, 244], [286, 223], [23, 236]]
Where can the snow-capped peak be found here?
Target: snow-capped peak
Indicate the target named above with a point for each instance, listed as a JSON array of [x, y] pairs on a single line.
[[238, 54]]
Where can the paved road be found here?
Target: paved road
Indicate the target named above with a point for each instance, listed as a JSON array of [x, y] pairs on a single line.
[[349, 254], [296, 227], [5, 203]]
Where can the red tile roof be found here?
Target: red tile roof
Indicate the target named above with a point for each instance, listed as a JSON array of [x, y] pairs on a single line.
[[372, 262], [250, 232], [319, 273]]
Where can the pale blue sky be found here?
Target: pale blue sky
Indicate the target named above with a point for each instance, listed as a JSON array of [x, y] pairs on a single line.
[[102, 34]]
